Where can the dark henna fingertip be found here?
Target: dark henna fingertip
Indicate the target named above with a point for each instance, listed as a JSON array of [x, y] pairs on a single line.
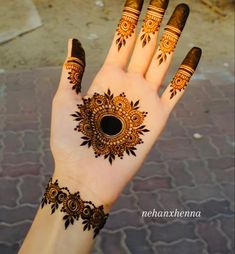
[[78, 51], [179, 17], [193, 57], [135, 4], [172, 32]]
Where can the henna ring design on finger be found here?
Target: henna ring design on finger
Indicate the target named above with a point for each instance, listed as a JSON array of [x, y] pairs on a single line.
[[168, 42], [112, 125], [76, 69], [181, 79], [151, 23], [127, 25]]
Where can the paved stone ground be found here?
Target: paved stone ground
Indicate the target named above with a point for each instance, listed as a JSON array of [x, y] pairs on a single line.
[[180, 173]]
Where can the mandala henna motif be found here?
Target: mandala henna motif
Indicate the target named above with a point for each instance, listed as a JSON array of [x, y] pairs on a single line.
[[151, 23], [111, 125], [168, 42], [181, 79], [74, 207], [75, 69], [127, 25]]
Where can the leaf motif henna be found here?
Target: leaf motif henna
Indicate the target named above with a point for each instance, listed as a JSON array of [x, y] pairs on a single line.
[[74, 208], [112, 125]]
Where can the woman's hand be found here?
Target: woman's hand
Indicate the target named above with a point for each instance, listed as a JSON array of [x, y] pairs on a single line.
[[98, 149]]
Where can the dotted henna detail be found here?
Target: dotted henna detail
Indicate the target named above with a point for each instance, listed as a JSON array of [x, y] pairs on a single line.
[[111, 125], [168, 42], [74, 208], [126, 26], [75, 69], [181, 79], [151, 23]]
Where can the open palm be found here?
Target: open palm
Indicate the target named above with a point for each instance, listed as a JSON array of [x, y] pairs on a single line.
[[137, 84]]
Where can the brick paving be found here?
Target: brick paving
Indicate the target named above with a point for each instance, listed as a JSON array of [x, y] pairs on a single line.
[[180, 172]]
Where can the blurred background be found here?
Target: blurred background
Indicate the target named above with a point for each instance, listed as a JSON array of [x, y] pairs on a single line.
[[191, 167]]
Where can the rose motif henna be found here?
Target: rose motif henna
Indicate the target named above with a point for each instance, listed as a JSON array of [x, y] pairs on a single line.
[[74, 207], [111, 125]]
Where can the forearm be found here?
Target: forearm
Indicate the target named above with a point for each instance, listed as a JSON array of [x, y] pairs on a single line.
[[52, 232]]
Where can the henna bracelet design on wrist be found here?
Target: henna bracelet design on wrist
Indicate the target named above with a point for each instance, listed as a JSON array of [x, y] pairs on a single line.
[[74, 207], [111, 125]]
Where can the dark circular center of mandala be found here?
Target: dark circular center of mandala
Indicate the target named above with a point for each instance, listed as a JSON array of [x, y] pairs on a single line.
[[110, 125]]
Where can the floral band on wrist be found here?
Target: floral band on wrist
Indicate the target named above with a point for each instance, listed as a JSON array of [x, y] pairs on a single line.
[[74, 207]]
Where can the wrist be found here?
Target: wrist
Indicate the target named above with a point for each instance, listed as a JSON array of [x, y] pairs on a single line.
[[74, 207]]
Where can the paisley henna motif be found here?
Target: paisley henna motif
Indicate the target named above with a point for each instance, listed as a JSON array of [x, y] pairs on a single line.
[[111, 125]]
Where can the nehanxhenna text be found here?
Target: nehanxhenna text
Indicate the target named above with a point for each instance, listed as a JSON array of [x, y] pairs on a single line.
[[111, 125], [185, 72], [153, 19], [172, 32], [74, 207]]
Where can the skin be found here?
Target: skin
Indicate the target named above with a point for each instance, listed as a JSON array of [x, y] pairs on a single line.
[[76, 166]]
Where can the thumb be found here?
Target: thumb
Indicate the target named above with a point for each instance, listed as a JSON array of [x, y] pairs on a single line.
[[73, 68]]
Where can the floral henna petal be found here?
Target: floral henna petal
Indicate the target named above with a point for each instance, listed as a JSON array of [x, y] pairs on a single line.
[[113, 125]]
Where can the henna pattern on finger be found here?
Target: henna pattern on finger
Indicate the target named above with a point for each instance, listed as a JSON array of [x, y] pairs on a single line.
[[111, 125], [172, 32], [153, 19], [185, 72], [128, 22], [76, 65]]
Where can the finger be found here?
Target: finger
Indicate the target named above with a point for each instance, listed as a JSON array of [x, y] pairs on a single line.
[[147, 40], [124, 38], [73, 68], [176, 88], [163, 57]]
